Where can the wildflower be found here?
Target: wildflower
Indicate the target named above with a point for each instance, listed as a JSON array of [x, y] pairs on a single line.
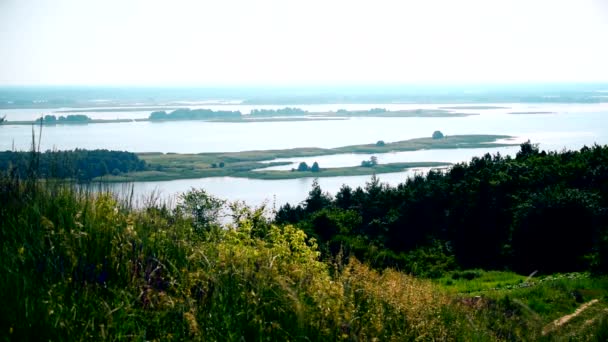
[[21, 250]]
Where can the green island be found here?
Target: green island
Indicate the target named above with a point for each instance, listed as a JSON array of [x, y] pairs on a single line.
[[495, 249], [167, 166], [286, 114]]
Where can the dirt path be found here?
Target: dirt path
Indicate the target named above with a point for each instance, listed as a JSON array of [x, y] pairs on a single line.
[[563, 320]]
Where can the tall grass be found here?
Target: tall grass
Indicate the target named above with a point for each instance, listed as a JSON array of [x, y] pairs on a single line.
[[79, 265]]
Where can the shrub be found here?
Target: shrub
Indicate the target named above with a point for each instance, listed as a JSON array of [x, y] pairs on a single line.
[[437, 135]]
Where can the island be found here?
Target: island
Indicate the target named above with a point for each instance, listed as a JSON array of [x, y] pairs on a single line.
[[257, 115], [247, 164]]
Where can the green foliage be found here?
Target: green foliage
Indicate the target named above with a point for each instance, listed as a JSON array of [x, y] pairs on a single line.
[[373, 161], [81, 266], [204, 209], [82, 165], [315, 167], [539, 211]]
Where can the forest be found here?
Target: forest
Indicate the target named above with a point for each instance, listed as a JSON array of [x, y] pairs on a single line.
[[540, 211], [79, 164]]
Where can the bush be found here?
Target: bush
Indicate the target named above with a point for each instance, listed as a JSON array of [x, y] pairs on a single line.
[[437, 135]]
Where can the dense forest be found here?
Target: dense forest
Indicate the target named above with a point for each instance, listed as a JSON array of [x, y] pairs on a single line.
[[81, 165], [540, 211]]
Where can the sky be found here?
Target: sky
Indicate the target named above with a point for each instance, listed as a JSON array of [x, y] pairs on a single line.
[[301, 42]]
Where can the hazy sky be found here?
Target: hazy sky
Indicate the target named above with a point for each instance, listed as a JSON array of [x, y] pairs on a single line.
[[248, 42]]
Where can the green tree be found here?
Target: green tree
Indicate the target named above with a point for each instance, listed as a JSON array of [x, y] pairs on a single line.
[[203, 208], [437, 135], [315, 167], [303, 166]]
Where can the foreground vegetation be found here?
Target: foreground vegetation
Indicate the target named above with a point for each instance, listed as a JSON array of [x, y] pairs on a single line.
[[83, 266]]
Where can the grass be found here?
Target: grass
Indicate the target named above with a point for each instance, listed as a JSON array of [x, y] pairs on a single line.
[[505, 305], [168, 166], [476, 281], [83, 266], [88, 266]]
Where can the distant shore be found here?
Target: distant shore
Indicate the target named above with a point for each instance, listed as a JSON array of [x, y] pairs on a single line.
[[278, 117]]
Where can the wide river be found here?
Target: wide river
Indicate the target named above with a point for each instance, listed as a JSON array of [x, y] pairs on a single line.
[[568, 126]]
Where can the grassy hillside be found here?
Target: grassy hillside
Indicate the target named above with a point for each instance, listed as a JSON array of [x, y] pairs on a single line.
[[82, 266]]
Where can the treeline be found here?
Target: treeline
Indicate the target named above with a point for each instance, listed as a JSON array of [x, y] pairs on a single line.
[[205, 114], [82, 165], [370, 111], [193, 114], [544, 211], [52, 119], [275, 112]]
